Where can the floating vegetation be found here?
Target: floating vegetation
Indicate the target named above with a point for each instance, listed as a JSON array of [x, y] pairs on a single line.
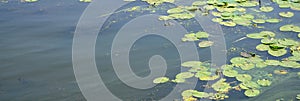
[[260, 21], [266, 8], [289, 27], [286, 14], [30, 0], [161, 80], [184, 75], [280, 72], [221, 86], [273, 20], [264, 82], [243, 77], [252, 92], [205, 43], [298, 97]]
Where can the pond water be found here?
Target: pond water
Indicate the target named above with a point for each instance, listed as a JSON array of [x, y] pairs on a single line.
[[36, 53]]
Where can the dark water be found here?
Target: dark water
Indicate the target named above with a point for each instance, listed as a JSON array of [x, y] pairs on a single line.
[[36, 53]]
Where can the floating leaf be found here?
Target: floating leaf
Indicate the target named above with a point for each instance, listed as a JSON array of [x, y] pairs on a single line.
[[184, 75], [175, 10], [277, 53], [179, 80], [268, 41], [228, 23], [264, 82], [217, 20], [243, 77], [247, 66], [261, 65], [268, 33], [250, 84], [273, 20], [262, 47], [230, 73], [288, 42], [221, 86], [189, 37], [200, 94], [161, 80], [208, 77], [290, 64], [266, 8], [280, 72], [252, 92], [238, 60], [205, 43], [260, 21], [188, 93], [198, 3], [273, 62], [286, 14], [288, 27], [202, 35]]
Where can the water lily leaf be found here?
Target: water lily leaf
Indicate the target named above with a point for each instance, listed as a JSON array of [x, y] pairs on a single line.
[[161, 80], [205, 43], [277, 46], [261, 65], [280, 72], [221, 86], [286, 14], [247, 16], [184, 75], [182, 16], [208, 77], [249, 4], [164, 18], [273, 20], [266, 8], [202, 35], [299, 35], [273, 62], [188, 93], [228, 23], [290, 64], [209, 7], [217, 20], [179, 80], [296, 29], [243, 77], [260, 21], [37, 0], [250, 84], [268, 41], [217, 14], [268, 33], [175, 10], [256, 36], [277, 53], [238, 60], [247, 66], [198, 3], [262, 47], [230, 73], [252, 92], [200, 94], [193, 64], [288, 42], [264, 82], [288, 27], [189, 37], [202, 73]]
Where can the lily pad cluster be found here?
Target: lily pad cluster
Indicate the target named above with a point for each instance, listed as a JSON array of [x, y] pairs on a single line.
[[290, 28], [196, 37], [292, 4]]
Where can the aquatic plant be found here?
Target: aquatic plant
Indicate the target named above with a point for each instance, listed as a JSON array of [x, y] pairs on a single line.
[[205, 43], [161, 80], [264, 82], [252, 92]]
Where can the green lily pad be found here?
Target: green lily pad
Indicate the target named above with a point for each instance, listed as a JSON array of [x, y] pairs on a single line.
[[175, 10], [277, 53], [205, 43], [264, 82], [161, 80], [290, 64], [189, 37], [250, 84], [164, 18], [178, 80], [268, 33], [268, 41], [299, 35], [287, 42], [198, 3], [230, 73], [221, 86], [184, 75], [260, 21], [280, 72], [37, 0], [238, 60], [252, 92], [256, 36], [243, 77], [200, 94], [261, 65], [192, 64], [202, 35], [228, 23], [277, 46], [247, 66], [273, 20], [286, 28], [217, 20], [262, 47], [188, 93], [286, 14], [266, 8], [273, 62], [182, 16], [208, 77], [202, 73], [296, 29]]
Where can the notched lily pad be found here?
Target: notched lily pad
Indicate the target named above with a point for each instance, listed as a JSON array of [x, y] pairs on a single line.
[[244, 77], [266, 8], [264, 82], [286, 14], [184, 75], [252, 92]]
